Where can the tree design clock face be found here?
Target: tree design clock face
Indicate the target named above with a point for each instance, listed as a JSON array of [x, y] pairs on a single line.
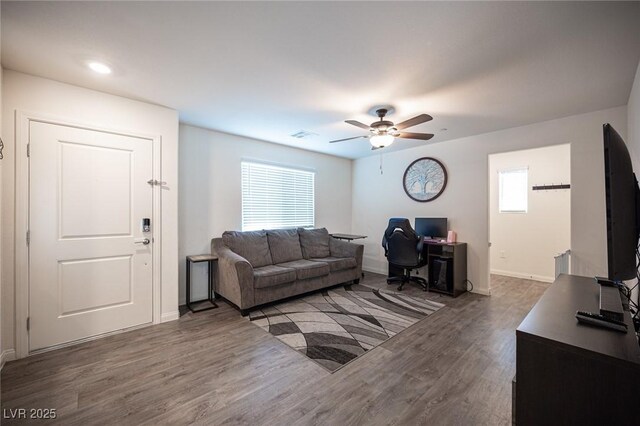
[[425, 179]]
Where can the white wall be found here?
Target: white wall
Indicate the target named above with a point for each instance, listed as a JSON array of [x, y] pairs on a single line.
[[465, 201], [524, 244], [633, 132], [210, 192], [74, 104]]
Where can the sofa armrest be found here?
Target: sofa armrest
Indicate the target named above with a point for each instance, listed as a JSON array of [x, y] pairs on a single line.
[[340, 248], [234, 276]]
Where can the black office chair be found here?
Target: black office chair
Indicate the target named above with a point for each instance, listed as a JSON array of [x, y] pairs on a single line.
[[403, 249]]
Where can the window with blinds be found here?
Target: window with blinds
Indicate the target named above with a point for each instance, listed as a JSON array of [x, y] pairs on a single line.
[[276, 197]]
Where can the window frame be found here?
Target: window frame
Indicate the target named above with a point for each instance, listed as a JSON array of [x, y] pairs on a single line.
[[504, 172], [305, 173]]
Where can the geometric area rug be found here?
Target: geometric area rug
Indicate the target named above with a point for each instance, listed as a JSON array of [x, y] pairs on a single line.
[[334, 327]]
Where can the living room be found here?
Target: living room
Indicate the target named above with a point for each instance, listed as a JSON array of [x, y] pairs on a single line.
[[161, 113]]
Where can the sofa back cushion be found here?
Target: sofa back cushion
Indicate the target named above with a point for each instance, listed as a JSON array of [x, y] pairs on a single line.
[[251, 245], [314, 242], [284, 245]]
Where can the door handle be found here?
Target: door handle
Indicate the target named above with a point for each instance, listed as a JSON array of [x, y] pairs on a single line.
[[144, 241]]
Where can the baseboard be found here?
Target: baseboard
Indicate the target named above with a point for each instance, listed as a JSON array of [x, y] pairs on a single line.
[[170, 316], [482, 291], [375, 270], [7, 355], [525, 276]]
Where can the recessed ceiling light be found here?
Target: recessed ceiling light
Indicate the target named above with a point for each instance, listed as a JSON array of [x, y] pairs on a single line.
[[99, 67]]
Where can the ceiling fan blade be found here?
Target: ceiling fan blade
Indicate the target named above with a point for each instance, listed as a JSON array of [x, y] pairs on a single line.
[[373, 148], [348, 139], [358, 124], [420, 136], [418, 119]]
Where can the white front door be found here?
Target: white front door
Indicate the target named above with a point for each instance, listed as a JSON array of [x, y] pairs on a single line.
[[89, 270]]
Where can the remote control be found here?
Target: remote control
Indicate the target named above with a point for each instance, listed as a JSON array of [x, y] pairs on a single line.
[[606, 282], [601, 321]]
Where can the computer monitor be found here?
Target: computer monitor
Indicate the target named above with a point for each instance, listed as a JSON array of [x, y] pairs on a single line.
[[431, 227]]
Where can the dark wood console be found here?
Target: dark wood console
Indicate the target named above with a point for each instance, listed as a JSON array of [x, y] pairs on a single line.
[[452, 256], [570, 373]]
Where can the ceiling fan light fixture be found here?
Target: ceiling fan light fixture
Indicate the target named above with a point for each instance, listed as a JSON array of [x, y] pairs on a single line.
[[383, 132], [381, 141]]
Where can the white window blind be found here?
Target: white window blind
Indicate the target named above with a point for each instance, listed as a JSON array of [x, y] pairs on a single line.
[[513, 190], [276, 197]]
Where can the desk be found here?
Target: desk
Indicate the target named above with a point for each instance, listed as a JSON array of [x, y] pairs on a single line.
[[452, 256], [571, 373], [348, 237]]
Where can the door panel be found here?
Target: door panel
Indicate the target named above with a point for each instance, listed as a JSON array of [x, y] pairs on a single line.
[[88, 195], [107, 286], [95, 182]]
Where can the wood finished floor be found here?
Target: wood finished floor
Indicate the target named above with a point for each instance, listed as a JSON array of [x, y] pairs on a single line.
[[455, 367]]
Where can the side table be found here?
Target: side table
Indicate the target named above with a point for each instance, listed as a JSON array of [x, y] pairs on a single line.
[[211, 260], [348, 237]]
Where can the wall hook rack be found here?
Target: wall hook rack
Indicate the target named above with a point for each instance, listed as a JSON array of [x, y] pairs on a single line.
[[550, 187]]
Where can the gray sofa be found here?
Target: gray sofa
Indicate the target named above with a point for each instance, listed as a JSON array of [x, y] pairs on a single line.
[[259, 267]]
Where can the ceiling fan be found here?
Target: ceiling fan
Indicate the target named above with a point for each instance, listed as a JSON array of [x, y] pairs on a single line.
[[384, 132]]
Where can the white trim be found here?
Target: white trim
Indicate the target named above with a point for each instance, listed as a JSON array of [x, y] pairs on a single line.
[[22, 122], [6, 356], [156, 229], [21, 226], [481, 291], [488, 235], [523, 275], [279, 165], [514, 168], [170, 316]]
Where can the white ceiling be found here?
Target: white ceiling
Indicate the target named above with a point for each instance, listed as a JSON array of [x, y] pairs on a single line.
[[267, 70]]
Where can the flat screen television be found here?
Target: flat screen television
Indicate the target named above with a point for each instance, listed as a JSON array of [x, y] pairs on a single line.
[[623, 207], [435, 227]]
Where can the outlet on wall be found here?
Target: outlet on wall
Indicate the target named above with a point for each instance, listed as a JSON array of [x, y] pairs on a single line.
[[502, 255]]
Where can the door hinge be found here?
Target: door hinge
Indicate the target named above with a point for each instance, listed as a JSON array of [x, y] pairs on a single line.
[[28, 323], [28, 237], [28, 150]]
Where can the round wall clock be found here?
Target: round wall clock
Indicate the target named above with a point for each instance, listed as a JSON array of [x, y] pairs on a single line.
[[425, 179]]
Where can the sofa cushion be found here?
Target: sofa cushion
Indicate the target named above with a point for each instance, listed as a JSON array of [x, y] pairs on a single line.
[[270, 275], [252, 245], [338, 263], [306, 269], [284, 245], [314, 242]]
